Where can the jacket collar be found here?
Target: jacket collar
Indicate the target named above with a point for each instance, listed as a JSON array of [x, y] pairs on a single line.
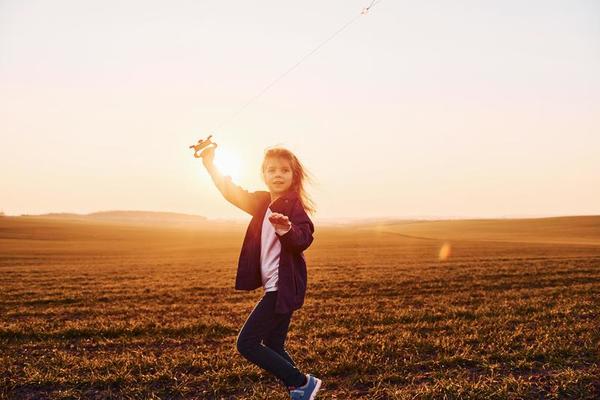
[[289, 195]]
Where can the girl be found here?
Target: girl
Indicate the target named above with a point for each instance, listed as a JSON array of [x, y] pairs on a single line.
[[272, 257]]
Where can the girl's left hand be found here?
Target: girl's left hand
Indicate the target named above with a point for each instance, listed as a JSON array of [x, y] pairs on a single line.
[[280, 221]]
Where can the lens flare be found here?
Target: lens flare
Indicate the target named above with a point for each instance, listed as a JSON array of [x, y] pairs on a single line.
[[445, 251], [228, 164]]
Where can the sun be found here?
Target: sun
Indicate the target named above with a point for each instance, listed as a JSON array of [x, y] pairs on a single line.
[[229, 164]]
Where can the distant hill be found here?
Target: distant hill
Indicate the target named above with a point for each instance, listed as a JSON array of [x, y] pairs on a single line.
[[134, 217], [565, 230], [146, 216]]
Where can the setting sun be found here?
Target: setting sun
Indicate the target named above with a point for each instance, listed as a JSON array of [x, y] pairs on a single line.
[[228, 163]]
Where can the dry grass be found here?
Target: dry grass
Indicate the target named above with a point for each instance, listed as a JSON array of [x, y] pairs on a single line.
[[105, 311]]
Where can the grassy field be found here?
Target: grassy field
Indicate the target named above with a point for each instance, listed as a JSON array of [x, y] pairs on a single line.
[[100, 310]]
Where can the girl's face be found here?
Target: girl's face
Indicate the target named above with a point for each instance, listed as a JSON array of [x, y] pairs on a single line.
[[278, 175]]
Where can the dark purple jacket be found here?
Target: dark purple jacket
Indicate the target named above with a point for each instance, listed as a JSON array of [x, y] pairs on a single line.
[[292, 265]]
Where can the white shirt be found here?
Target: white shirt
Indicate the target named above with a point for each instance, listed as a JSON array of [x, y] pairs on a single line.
[[270, 250]]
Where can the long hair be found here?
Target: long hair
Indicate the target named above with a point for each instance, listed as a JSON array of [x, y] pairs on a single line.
[[300, 175]]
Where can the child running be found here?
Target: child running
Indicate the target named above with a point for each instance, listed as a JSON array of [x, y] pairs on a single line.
[[272, 257]]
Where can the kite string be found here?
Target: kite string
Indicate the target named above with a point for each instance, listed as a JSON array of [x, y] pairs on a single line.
[[272, 83], [366, 9]]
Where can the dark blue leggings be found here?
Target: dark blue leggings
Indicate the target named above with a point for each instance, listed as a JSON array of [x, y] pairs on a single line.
[[265, 325]]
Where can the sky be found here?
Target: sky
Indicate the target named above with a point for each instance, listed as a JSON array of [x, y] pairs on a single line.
[[463, 109]]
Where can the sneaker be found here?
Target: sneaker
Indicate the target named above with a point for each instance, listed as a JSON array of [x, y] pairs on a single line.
[[308, 391]]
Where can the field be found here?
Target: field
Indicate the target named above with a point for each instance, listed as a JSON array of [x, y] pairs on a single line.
[[100, 310]]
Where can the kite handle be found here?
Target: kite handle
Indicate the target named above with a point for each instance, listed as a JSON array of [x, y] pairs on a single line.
[[202, 144]]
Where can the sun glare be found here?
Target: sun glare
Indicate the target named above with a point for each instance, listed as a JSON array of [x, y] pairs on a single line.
[[445, 251], [228, 164]]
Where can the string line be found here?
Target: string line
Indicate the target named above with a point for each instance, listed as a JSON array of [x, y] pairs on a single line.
[[293, 67]]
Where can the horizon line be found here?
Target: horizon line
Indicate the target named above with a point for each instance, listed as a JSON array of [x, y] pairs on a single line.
[[331, 219]]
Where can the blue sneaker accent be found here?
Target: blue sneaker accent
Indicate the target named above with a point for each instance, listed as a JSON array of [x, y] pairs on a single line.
[[308, 391]]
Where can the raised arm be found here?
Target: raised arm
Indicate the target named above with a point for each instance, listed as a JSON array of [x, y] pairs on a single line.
[[233, 193]]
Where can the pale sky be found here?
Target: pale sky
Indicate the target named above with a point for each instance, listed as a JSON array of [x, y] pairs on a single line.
[[418, 109]]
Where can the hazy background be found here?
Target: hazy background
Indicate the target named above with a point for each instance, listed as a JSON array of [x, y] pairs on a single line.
[[434, 108]]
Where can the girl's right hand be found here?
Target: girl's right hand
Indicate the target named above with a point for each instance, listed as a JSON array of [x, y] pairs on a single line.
[[208, 154]]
